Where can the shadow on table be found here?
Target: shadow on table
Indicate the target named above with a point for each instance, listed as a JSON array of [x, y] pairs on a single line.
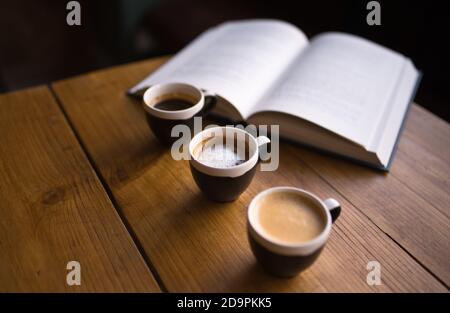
[[196, 224]]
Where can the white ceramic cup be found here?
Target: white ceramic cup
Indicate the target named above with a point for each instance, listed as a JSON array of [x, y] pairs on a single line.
[[288, 259], [225, 183], [162, 121]]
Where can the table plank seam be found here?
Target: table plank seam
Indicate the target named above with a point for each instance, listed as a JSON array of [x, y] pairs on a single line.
[[384, 232], [136, 177], [111, 197]]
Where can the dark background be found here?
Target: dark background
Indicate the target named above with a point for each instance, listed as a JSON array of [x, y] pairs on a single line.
[[37, 46]]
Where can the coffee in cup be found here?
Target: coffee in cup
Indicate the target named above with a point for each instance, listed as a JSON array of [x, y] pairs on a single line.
[[215, 152], [174, 102], [290, 217], [223, 161], [170, 104], [288, 228]]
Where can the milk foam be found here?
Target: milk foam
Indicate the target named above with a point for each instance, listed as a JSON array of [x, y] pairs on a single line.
[[219, 156]]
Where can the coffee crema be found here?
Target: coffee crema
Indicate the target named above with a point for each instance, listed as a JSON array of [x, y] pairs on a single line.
[[290, 217], [173, 102]]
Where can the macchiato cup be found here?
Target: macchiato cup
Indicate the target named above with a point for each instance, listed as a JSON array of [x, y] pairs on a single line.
[[283, 255], [170, 104], [223, 161]]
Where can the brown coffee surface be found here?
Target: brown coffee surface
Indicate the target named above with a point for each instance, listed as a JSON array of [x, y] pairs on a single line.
[[173, 105], [290, 217], [173, 102]]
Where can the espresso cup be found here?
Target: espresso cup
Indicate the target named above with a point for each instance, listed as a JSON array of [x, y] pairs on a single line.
[[170, 104], [223, 161], [284, 255]]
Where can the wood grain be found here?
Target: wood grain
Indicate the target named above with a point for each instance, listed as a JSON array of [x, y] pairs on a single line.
[[53, 208], [411, 203], [425, 158], [198, 245]]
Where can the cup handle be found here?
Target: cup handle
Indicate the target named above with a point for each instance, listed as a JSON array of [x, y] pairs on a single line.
[[210, 102], [334, 207], [262, 140]]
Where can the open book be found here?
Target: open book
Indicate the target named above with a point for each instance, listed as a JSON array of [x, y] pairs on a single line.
[[335, 92]]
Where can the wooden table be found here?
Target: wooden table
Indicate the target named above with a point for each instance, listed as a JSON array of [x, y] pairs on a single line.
[[82, 178]]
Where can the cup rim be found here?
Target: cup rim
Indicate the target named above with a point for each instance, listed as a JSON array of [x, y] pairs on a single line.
[[178, 114], [232, 171], [278, 246]]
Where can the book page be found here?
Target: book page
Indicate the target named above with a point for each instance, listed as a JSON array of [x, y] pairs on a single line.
[[340, 82], [237, 60]]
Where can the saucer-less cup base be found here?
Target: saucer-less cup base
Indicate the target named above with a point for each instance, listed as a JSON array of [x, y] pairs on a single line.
[[162, 121], [162, 128], [222, 189], [281, 265]]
